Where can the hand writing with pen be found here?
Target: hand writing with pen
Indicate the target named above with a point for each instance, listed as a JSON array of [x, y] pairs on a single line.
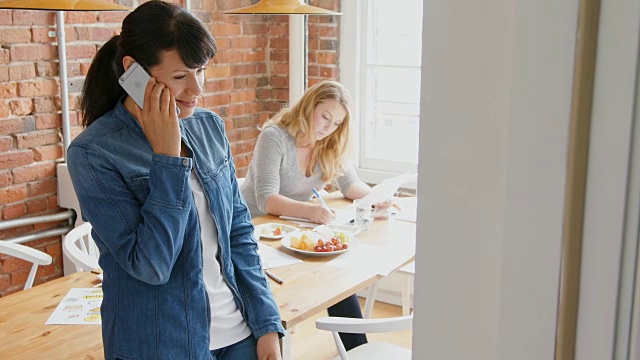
[[321, 213]]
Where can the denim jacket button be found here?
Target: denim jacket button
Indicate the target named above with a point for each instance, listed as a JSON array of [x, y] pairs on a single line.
[[185, 162]]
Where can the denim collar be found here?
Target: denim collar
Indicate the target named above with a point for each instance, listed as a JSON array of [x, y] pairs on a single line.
[[122, 114], [130, 121]]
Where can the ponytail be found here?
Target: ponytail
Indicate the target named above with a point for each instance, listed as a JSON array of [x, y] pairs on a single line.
[[101, 89]]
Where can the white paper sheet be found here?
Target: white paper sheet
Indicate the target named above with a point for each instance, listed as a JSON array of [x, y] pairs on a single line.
[[378, 259], [273, 258], [293, 218], [387, 188], [344, 216], [80, 306], [301, 222], [408, 209]]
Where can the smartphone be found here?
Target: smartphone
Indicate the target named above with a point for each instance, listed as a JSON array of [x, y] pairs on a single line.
[[134, 82]]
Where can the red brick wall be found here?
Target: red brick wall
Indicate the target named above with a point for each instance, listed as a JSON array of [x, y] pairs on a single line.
[[246, 84], [29, 136], [323, 44]]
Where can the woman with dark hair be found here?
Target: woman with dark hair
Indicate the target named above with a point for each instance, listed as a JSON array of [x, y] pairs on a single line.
[[182, 276]]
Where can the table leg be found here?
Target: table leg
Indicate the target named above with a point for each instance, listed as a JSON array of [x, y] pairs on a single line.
[[371, 299], [406, 294], [285, 345]]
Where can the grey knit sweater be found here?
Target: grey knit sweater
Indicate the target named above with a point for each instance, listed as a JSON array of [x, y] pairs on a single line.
[[274, 170]]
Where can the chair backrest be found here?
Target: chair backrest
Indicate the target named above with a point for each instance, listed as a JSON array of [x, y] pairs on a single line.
[[36, 257], [79, 247], [369, 351]]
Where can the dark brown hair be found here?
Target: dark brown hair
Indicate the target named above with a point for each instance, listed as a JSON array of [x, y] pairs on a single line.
[[152, 28]]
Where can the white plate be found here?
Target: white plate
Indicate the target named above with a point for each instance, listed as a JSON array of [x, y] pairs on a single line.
[[286, 242], [265, 231]]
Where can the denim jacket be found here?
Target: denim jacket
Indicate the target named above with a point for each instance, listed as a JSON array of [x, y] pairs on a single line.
[[146, 227]]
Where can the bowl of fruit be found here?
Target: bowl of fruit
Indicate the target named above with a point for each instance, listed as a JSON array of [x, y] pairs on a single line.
[[315, 243]]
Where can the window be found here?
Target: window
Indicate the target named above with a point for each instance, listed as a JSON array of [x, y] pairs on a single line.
[[381, 47]]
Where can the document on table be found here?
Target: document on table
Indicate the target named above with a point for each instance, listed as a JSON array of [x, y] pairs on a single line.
[[378, 259], [408, 208], [80, 306], [344, 216], [387, 188], [273, 258], [302, 222]]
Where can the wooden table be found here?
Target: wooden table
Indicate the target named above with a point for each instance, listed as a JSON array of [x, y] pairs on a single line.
[[24, 335], [310, 287]]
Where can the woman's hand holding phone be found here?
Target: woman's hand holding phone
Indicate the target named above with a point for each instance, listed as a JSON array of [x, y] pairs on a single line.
[[158, 116], [159, 119]]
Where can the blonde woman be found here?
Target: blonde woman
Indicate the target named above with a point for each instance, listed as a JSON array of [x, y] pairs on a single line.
[[301, 148]]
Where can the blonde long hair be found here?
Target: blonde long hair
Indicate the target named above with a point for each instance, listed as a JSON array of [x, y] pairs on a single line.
[[331, 152]]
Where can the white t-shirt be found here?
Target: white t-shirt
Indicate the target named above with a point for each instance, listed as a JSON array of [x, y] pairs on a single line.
[[227, 325]]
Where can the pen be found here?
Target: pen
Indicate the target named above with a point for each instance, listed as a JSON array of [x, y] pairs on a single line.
[[274, 277], [320, 199]]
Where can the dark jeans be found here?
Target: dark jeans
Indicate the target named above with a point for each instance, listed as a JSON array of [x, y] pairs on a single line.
[[245, 349], [349, 307]]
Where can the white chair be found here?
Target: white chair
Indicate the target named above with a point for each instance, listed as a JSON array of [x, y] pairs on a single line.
[[371, 350], [79, 247], [407, 273], [29, 254]]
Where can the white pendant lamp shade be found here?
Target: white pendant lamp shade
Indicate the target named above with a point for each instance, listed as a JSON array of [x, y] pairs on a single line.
[[282, 7], [62, 5]]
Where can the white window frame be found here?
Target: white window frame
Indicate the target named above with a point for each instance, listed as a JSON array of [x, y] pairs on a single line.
[[353, 35]]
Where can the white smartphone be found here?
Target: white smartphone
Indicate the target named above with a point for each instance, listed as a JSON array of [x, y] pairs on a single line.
[[134, 82]]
